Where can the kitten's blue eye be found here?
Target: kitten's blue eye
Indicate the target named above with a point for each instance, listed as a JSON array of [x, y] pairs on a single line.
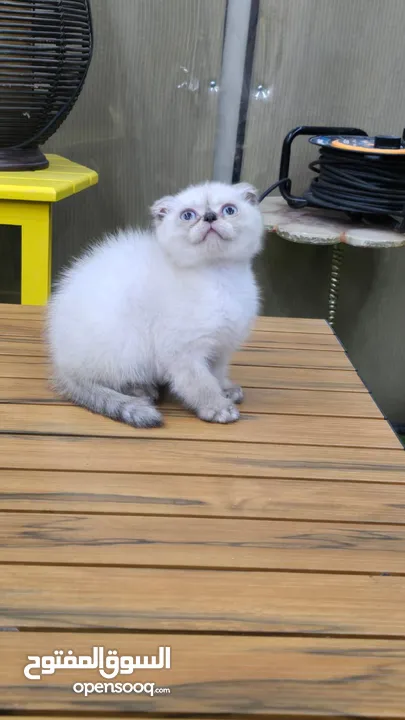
[[229, 210], [188, 215]]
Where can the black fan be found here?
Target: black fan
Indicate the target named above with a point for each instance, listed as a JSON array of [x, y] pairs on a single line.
[[45, 52]]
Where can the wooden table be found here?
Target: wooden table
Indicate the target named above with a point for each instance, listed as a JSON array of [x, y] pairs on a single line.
[[268, 555]]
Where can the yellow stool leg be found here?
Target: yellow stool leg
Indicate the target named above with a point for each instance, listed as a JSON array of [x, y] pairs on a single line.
[[36, 252], [35, 220]]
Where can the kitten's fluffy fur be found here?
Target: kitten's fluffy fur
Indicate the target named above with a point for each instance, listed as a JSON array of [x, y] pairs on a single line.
[[142, 309]]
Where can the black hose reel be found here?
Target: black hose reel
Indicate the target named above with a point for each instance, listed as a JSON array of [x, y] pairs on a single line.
[[360, 176]]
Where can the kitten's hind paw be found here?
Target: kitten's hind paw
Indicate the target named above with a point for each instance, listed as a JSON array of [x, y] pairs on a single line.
[[141, 416], [234, 393], [228, 414]]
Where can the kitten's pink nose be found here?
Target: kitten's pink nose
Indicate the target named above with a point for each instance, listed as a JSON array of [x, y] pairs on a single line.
[[210, 216]]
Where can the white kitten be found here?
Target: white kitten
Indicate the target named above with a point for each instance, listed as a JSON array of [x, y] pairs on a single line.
[[143, 309]]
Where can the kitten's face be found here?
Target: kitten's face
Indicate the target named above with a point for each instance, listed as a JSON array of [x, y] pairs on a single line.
[[209, 223]]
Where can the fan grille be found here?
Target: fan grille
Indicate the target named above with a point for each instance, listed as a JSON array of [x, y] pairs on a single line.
[[45, 52]]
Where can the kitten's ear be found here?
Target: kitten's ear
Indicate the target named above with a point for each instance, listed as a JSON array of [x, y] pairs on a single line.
[[161, 207], [248, 192]]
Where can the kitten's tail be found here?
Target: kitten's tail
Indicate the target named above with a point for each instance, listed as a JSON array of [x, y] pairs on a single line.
[[137, 411]]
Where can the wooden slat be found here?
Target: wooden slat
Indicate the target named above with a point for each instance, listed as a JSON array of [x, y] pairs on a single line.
[[17, 367], [126, 493], [21, 328], [11, 311], [298, 378], [27, 390], [202, 542], [279, 429], [21, 347], [304, 402], [286, 324], [40, 596], [18, 379], [23, 386], [277, 324], [7, 361], [33, 328], [292, 358], [276, 677], [303, 341], [259, 340], [256, 357], [33, 331], [200, 458]]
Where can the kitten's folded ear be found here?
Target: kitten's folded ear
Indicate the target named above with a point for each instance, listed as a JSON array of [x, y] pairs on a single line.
[[160, 208], [248, 192]]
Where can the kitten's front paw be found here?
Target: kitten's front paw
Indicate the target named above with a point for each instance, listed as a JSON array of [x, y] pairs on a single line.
[[227, 414], [234, 394]]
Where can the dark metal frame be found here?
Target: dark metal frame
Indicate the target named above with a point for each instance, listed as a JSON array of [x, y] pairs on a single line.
[[285, 186]]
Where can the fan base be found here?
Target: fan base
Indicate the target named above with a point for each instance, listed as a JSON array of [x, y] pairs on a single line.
[[22, 159]]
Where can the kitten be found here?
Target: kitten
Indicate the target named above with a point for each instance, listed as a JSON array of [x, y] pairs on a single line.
[[144, 309]]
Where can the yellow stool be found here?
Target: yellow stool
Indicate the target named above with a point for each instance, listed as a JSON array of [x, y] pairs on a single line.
[[26, 200]]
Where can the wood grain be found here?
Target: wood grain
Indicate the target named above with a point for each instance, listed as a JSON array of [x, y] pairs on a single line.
[[36, 596], [22, 385], [16, 346], [17, 367], [287, 324], [154, 455], [255, 428], [262, 323], [298, 378], [292, 358], [27, 390], [188, 495], [221, 543], [304, 402], [18, 312], [21, 328], [20, 381], [276, 677], [251, 356], [305, 341], [33, 329]]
